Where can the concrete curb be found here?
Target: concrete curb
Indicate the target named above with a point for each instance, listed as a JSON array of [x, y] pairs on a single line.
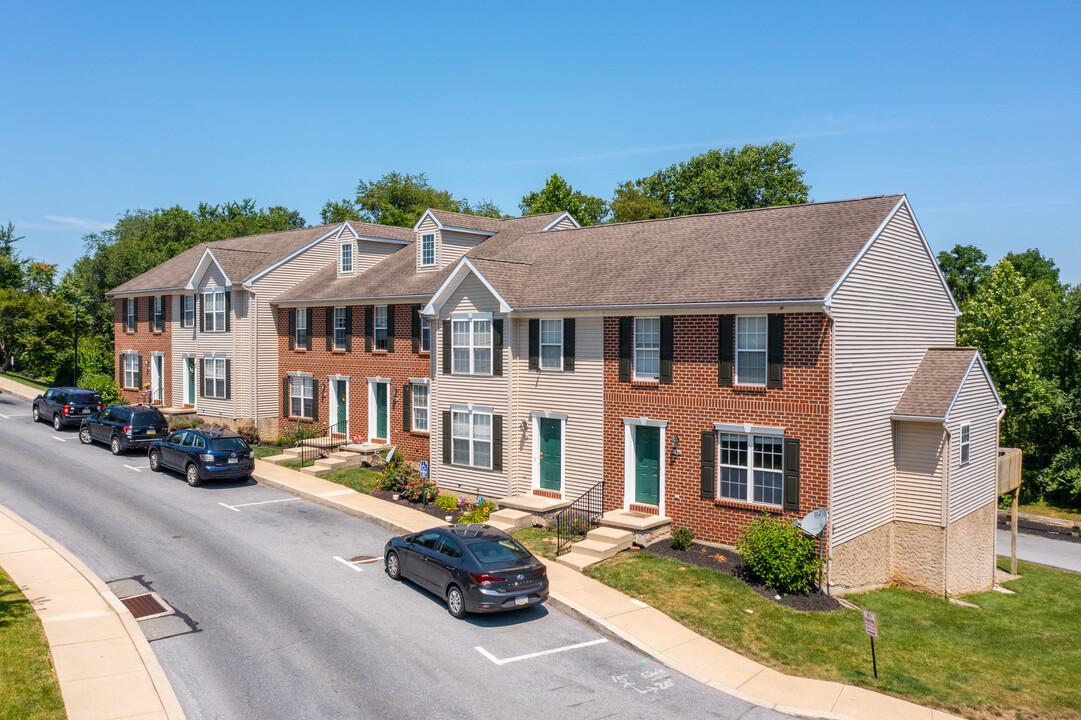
[[164, 690], [333, 504]]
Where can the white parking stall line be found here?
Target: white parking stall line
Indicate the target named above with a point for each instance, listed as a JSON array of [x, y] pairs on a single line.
[[262, 502], [504, 661], [343, 561], [59, 439], [229, 506], [129, 467]]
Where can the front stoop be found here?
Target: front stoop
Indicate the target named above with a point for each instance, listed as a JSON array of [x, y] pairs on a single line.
[[287, 455], [509, 520], [600, 544], [537, 506], [646, 527]]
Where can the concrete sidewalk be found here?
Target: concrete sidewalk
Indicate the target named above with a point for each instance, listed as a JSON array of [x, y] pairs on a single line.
[[1060, 554], [637, 625], [17, 389], [103, 662]]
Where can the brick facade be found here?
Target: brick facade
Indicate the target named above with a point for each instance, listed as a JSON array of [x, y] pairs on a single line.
[[145, 341], [358, 365], [694, 401]]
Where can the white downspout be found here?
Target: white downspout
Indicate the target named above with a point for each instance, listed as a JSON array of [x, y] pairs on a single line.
[[829, 465], [946, 512]]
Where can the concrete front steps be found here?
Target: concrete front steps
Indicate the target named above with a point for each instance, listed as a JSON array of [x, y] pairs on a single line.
[[344, 456], [509, 520], [600, 544]]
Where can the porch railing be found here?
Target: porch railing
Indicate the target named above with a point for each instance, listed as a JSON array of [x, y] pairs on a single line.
[[583, 515], [315, 441]]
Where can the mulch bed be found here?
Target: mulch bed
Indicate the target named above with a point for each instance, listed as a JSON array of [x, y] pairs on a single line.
[[435, 512], [730, 563], [1026, 525]]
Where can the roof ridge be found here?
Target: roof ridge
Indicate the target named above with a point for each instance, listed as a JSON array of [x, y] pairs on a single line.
[[510, 262]]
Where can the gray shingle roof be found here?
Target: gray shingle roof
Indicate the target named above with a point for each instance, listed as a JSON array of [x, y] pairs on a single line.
[[935, 383]]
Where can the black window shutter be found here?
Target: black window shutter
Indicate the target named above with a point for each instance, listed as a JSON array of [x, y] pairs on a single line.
[[229, 308], [497, 442], [791, 474], [315, 398], [199, 309], [308, 330], [292, 312], [709, 464], [415, 332], [626, 337], [497, 347], [285, 396], [446, 437], [329, 329], [726, 339], [407, 397], [390, 328], [368, 315], [775, 352], [139, 372], [446, 347], [534, 343], [568, 344], [228, 378], [349, 329], [666, 349]]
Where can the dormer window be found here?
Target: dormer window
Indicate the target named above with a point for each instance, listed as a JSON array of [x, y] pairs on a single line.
[[427, 249], [347, 257]]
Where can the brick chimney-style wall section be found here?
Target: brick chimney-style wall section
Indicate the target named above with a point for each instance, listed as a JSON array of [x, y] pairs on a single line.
[[693, 401], [358, 364], [144, 340]]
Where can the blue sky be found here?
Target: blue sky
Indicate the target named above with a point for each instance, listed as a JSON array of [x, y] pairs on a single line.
[[973, 110]]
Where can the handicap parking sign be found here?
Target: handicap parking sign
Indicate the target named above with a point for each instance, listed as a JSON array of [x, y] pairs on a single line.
[[424, 468]]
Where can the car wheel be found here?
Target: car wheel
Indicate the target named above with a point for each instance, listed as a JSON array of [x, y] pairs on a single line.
[[37, 415], [192, 474], [115, 445], [455, 602], [58, 424], [84, 435], [155, 461], [394, 567]]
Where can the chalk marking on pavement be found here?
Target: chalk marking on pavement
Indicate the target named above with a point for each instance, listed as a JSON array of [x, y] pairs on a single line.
[[262, 502], [129, 467], [497, 661], [343, 561], [334, 493]]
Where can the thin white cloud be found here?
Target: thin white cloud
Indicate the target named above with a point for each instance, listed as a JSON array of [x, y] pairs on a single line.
[[60, 222]]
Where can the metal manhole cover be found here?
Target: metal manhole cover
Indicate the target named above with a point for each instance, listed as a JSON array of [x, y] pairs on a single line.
[[363, 559], [146, 606]]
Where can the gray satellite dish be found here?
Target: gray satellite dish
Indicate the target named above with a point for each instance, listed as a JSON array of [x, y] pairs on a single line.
[[814, 522]]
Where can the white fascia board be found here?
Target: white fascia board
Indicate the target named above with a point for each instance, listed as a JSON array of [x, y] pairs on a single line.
[[148, 291], [931, 255], [976, 360], [248, 283], [461, 271], [200, 270], [558, 220], [816, 304], [319, 302], [427, 213], [918, 418]]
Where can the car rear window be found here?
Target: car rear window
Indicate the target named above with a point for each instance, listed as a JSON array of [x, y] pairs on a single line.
[[147, 417], [495, 552], [85, 397], [228, 444]]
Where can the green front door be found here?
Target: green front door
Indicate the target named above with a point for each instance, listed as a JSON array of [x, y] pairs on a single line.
[[341, 394], [381, 411], [190, 363], [551, 454], [647, 465]]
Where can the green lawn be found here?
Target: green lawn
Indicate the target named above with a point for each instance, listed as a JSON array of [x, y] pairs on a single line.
[[25, 381], [361, 479], [1016, 656], [265, 452], [28, 687], [541, 543], [1053, 511]]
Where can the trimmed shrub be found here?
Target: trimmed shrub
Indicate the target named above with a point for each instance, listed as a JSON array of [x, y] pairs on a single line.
[[778, 552], [249, 433], [682, 538], [448, 503]]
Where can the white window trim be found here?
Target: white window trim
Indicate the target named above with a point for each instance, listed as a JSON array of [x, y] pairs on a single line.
[[138, 360], [413, 408], [736, 352], [541, 345], [332, 411], [335, 328], [301, 415], [184, 311], [765, 432], [299, 344], [472, 317], [341, 258], [635, 375], [629, 457], [472, 411], [203, 378], [748, 429], [208, 296], [373, 419], [423, 239], [535, 418], [961, 462], [376, 328]]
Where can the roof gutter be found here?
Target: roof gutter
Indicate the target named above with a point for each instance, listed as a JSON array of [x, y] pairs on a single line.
[[816, 304], [347, 300], [919, 418], [147, 291]]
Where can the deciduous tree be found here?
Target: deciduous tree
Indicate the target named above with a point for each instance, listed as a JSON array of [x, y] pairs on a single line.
[[964, 268], [558, 195]]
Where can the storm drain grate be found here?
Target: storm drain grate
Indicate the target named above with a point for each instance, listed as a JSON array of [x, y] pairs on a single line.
[[363, 559], [146, 606]]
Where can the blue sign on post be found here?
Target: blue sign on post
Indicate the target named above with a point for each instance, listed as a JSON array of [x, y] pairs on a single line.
[[424, 468]]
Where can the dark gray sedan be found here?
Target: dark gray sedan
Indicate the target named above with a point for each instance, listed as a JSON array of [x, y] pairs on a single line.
[[476, 568]]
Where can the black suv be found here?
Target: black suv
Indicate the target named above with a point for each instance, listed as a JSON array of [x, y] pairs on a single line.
[[124, 427], [203, 454], [65, 406]]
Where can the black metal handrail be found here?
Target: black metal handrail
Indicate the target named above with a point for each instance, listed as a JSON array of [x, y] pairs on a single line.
[[310, 453], [580, 517]]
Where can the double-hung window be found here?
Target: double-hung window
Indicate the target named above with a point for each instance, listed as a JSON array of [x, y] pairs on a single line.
[[471, 343], [214, 377], [131, 370], [301, 329], [751, 334], [471, 438], [339, 328], [380, 333], [214, 311], [751, 468], [189, 311], [159, 313], [425, 335], [420, 406], [966, 443], [347, 257], [647, 348], [427, 250], [131, 324], [551, 344], [301, 393]]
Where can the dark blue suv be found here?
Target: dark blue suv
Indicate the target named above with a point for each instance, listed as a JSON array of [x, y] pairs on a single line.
[[203, 454]]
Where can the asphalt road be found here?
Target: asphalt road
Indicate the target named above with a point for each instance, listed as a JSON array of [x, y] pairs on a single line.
[[283, 629], [1041, 550]]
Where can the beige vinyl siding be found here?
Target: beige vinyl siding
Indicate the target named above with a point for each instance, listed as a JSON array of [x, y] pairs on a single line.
[[887, 312], [918, 456], [184, 343], [565, 224], [214, 343], [425, 228], [453, 245], [579, 395], [470, 296], [974, 485], [367, 253]]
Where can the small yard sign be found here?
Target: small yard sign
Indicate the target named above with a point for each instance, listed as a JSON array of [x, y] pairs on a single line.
[[424, 468], [870, 623]]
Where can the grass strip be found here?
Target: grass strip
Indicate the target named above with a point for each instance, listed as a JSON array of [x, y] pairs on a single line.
[[28, 686], [22, 379], [265, 452], [361, 479]]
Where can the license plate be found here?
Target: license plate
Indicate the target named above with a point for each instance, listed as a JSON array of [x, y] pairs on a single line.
[[233, 461], [83, 411], [521, 600], [151, 432]]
